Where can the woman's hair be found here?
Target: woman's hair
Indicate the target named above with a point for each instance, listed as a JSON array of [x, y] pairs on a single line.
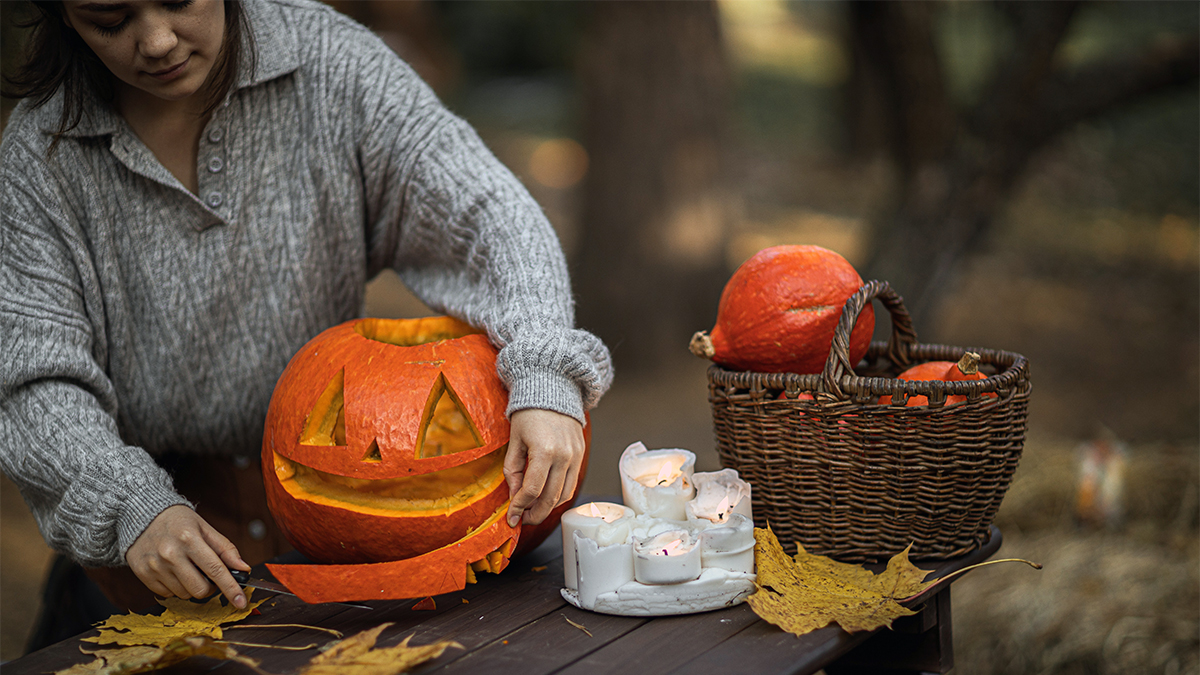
[[57, 58]]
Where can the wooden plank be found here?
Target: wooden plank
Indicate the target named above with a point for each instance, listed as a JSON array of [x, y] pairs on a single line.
[[657, 646], [764, 648], [504, 609], [545, 645]]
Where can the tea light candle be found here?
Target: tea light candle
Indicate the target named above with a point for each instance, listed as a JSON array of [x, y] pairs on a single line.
[[667, 558], [729, 546], [718, 495], [601, 569], [657, 483], [587, 521]]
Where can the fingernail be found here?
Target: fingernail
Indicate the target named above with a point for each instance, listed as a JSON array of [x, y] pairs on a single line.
[[513, 520], [239, 601]]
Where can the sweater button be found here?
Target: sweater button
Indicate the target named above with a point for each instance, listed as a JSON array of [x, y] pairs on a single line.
[[215, 165], [215, 199], [215, 134]]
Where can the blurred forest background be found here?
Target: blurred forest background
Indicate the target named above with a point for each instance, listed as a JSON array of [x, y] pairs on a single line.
[[1026, 175]]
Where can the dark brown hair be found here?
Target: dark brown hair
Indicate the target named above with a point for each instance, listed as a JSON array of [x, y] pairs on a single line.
[[57, 58]]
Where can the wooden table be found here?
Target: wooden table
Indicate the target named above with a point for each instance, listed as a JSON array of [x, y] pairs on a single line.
[[517, 622]]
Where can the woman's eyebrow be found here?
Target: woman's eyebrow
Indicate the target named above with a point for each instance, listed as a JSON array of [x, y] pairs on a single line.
[[103, 6]]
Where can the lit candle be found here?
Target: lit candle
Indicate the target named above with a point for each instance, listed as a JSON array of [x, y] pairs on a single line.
[[601, 569], [657, 483], [719, 494], [729, 546], [667, 558], [587, 520]]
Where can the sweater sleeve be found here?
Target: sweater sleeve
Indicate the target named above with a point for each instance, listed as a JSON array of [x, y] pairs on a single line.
[[91, 494], [468, 238]]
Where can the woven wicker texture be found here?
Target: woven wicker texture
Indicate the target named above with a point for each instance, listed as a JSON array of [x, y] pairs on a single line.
[[859, 481]]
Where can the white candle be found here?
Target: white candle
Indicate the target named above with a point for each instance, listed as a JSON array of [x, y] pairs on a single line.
[[601, 569], [729, 546], [667, 558], [587, 520], [657, 483], [719, 494]]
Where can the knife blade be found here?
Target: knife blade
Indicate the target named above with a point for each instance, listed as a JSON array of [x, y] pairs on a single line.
[[244, 579]]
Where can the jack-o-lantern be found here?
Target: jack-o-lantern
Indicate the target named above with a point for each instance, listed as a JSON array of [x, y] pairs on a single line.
[[385, 441]]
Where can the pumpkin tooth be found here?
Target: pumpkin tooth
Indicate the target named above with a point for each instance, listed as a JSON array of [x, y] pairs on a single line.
[[494, 559], [481, 565], [470, 574], [507, 548]]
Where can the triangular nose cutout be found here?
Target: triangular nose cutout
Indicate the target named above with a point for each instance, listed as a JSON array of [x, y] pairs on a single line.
[[326, 424], [447, 428], [373, 453]]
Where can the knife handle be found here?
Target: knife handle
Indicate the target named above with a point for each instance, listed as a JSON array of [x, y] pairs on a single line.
[[240, 576]]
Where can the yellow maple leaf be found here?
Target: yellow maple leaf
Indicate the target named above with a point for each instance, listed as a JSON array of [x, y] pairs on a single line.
[[143, 658], [809, 592], [356, 655], [183, 618]]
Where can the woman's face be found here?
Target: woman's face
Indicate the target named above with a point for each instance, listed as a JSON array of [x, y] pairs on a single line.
[[164, 48]]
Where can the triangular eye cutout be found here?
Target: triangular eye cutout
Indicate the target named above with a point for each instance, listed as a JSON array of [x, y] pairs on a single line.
[[373, 453], [445, 428], [326, 424]]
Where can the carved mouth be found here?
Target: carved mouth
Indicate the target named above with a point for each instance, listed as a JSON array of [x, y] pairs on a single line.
[[431, 493]]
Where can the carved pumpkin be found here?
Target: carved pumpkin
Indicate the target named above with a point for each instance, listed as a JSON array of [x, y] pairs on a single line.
[[779, 310], [385, 441]]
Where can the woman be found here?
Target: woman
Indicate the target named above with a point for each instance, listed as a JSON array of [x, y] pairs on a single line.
[[192, 190]]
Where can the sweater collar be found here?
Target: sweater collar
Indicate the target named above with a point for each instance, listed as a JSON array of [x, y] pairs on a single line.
[[276, 55]]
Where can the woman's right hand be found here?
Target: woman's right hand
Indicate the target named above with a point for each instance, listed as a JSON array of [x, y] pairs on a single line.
[[181, 555]]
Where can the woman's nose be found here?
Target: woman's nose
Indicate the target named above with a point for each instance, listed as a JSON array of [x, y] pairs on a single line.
[[158, 38]]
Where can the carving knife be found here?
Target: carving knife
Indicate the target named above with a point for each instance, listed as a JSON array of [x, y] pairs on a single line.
[[244, 579]]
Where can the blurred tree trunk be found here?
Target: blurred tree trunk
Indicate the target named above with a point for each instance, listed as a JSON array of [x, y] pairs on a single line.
[[957, 167], [656, 88]]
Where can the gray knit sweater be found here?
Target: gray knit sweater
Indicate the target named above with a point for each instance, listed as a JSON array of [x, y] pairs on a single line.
[[137, 318]]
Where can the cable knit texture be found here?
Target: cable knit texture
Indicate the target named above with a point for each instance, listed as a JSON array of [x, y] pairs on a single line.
[[137, 318]]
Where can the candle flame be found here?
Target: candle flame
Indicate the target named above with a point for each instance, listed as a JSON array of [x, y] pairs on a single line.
[[595, 512], [664, 474], [673, 547], [723, 508]]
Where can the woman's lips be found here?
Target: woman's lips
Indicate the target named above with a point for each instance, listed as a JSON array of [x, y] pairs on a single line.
[[171, 73]]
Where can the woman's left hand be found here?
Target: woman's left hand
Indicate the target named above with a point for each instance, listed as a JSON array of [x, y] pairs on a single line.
[[545, 453]]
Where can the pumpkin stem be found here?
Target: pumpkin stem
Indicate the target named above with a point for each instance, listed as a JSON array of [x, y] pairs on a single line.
[[969, 363], [701, 345]]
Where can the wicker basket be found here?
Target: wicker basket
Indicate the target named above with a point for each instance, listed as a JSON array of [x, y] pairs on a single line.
[[859, 481]]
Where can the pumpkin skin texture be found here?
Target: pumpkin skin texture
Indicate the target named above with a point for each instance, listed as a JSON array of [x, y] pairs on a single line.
[[779, 310], [444, 570], [385, 441], [967, 368]]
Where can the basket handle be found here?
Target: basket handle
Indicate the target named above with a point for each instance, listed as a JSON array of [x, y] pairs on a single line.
[[904, 336]]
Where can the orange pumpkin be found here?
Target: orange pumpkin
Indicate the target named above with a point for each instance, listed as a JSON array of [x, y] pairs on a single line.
[[779, 310], [385, 441], [967, 368]]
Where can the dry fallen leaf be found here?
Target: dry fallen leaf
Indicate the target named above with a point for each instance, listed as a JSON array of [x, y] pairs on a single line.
[[183, 618], [811, 592], [356, 655], [142, 659], [577, 625]]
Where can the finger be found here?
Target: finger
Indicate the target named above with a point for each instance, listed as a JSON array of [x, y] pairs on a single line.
[[570, 484], [548, 499], [206, 560], [223, 548], [150, 581], [514, 465], [165, 574], [531, 488]]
